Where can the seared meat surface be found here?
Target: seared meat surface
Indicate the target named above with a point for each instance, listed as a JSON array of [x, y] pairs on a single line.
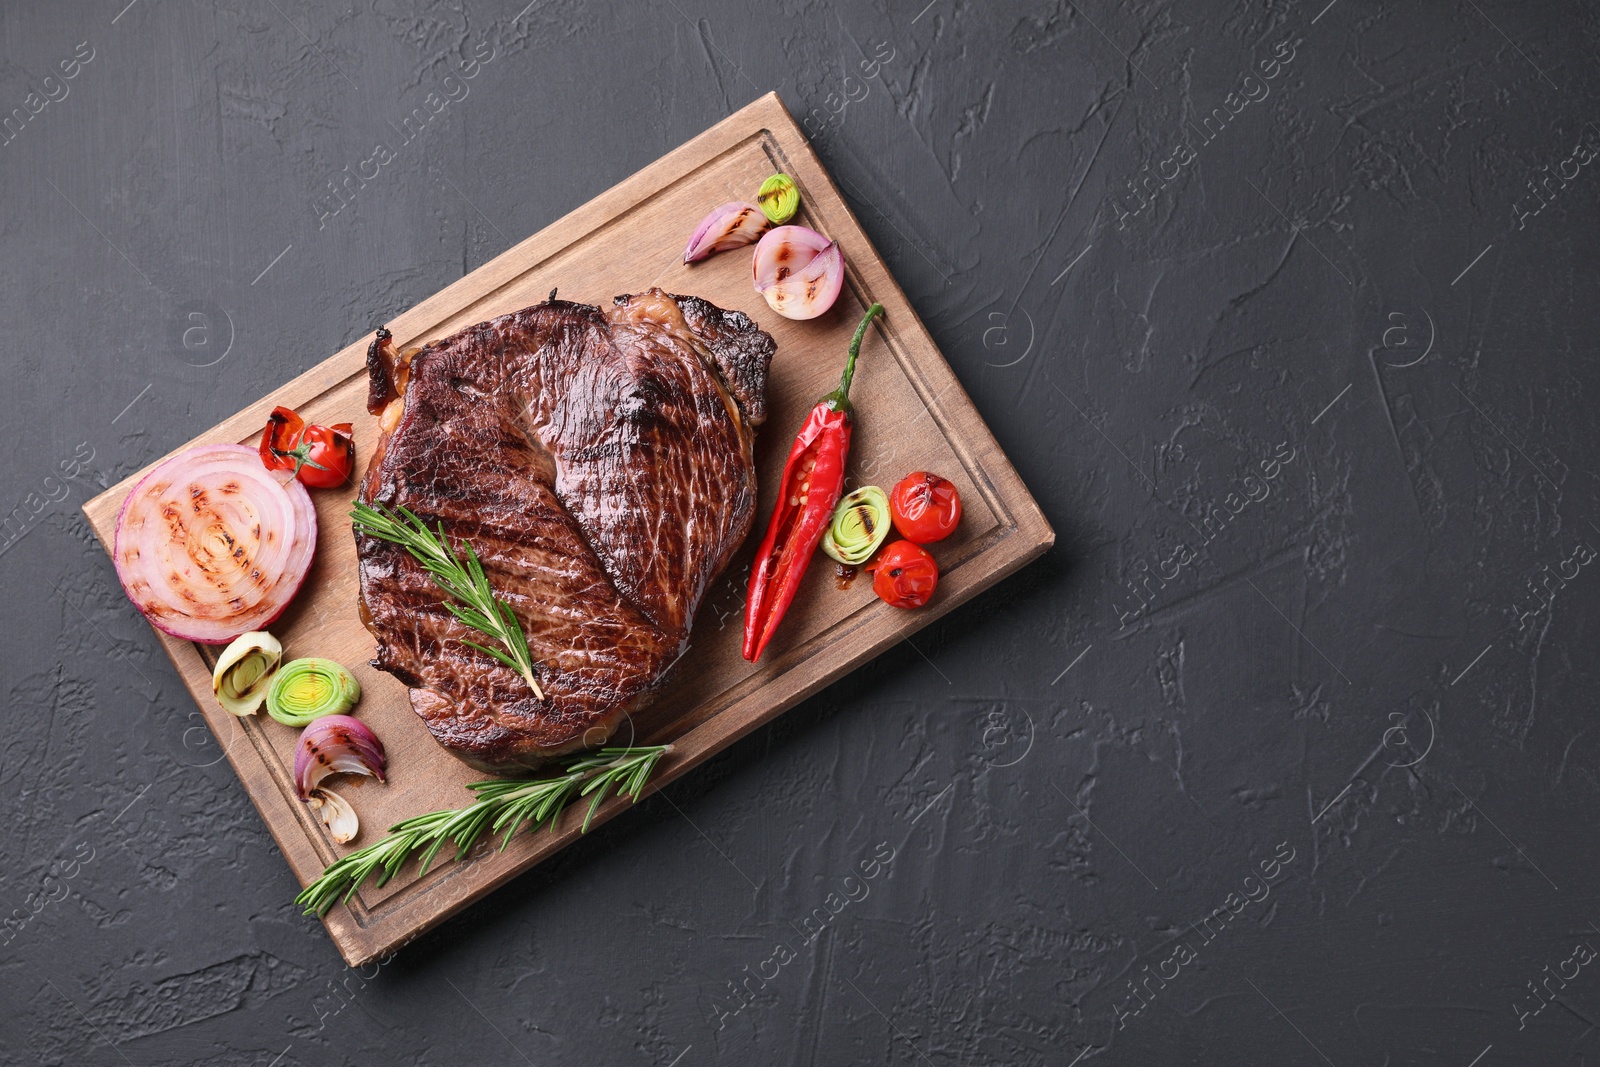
[[600, 462]]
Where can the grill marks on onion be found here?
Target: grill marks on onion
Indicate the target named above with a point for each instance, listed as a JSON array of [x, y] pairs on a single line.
[[798, 271], [211, 545]]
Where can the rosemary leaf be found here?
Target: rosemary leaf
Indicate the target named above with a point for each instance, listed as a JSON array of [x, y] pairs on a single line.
[[479, 608], [508, 803]]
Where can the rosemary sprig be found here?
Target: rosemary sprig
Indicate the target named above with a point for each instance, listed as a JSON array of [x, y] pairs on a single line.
[[503, 804], [479, 608]]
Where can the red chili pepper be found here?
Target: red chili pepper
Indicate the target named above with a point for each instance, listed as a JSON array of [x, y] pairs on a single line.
[[813, 478]]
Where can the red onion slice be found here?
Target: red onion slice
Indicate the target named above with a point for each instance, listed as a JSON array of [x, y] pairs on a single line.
[[729, 226], [209, 545], [798, 271], [336, 744]]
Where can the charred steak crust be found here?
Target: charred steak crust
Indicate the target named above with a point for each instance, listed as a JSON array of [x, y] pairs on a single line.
[[742, 350], [601, 464], [380, 377]]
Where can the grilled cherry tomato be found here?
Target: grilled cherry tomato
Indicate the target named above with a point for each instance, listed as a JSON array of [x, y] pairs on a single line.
[[905, 575], [925, 507], [320, 456]]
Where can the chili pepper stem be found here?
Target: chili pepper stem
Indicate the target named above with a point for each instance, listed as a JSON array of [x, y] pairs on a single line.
[[839, 399]]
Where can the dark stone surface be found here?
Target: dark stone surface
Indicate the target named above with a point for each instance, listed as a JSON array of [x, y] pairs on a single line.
[[1347, 280]]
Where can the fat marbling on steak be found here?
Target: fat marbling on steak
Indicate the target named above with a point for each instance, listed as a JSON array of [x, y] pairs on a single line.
[[600, 462]]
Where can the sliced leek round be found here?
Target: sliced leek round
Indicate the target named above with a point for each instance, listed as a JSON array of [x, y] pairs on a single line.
[[860, 523], [309, 688]]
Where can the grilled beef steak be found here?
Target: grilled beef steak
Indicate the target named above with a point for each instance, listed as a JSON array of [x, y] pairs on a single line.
[[600, 462]]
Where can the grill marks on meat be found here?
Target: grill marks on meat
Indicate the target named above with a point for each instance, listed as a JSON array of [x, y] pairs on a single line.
[[601, 464]]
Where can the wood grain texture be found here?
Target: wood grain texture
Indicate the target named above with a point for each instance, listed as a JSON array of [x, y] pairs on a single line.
[[912, 414]]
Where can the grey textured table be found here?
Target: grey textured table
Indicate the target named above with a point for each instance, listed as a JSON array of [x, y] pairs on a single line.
[[1285, 754]]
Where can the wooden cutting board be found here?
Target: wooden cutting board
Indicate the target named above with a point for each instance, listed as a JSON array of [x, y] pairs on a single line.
[[912, 414]]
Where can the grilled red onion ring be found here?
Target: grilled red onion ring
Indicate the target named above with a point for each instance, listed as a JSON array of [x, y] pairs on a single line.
[[209, 545]]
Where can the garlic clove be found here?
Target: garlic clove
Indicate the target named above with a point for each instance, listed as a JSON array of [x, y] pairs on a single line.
[[336, 814]]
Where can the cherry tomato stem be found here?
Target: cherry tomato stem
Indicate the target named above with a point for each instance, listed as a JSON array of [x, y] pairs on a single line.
[[319, 456]]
